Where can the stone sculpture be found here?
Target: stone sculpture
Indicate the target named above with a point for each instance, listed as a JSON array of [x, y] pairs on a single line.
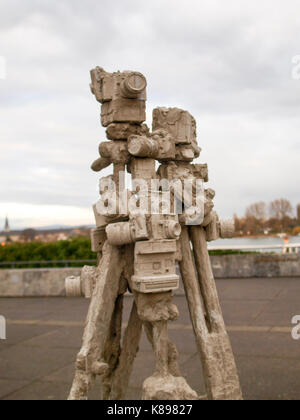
[[140, 236]]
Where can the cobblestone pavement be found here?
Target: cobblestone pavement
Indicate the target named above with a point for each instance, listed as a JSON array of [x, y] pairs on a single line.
[[44, 336]]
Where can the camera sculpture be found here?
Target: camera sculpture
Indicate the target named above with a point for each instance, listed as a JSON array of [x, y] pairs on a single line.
[[142, 235]]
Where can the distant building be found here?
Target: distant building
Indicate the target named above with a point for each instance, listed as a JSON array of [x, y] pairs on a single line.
[[5, 237], [45, 236], [6, 226]]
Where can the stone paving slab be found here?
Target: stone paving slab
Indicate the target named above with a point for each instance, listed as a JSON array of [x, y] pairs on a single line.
[[255, 290], [44, 336], [29, 363], [278, 312], [269, 345], [20, 333], [9, 386], [62, 337], [267, 378], [243, 312]]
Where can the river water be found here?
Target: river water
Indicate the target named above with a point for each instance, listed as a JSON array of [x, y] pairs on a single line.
[[268, 240]]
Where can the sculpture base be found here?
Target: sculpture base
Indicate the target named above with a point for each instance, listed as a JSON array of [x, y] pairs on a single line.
[[168, 388]]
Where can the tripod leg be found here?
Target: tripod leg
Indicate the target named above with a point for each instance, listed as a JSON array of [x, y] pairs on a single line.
[[113, 347], [129, 351], [206, 280], [222, 348], [90, 358], [196, 311], [212, 370]]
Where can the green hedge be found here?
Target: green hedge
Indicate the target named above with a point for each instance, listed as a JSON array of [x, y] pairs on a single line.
[[76, 249], [231, 252]]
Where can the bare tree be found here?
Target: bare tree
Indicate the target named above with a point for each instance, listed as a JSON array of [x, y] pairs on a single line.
[[276, 216], [281, 212], [281, 209], [257, 211]]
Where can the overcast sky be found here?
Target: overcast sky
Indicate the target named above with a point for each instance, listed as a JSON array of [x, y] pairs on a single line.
[[228, 62]]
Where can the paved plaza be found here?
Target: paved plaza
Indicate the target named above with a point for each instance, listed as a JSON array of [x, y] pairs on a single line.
[[44, 336]]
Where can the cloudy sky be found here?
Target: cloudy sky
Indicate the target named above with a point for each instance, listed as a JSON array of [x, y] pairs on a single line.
[[228, 62]]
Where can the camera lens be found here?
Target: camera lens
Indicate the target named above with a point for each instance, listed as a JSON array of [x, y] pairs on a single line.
[[134, 84]]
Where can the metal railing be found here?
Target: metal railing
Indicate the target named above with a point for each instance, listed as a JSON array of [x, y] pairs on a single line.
[[66, 263], [285, 248]]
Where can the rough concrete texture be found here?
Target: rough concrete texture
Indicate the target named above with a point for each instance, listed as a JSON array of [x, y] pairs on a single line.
[[159, 388], [92, 359], [35, 282], [218, 364], [256, 265], [143, 247]]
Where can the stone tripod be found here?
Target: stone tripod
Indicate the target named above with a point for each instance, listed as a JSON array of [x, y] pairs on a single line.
[[138, 252]]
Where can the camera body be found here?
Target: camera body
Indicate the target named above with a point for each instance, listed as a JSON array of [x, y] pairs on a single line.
[[160, 146], [182, 128], [122, 95], [155, 267], [155, 238], [173, 137], [179, 123]]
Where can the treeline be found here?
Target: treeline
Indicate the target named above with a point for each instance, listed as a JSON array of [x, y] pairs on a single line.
[[75, 249], [275, 217]]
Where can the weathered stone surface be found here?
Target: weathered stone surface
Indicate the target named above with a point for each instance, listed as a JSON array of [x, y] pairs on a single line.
[[121, 131], [220, 374], [156, 307], [219, 356], [182, 127], [35, 282], [155, 272], [130, 347], [92, 355], [148, 269], [180, 124], [160, 145], [115, 151], [122, 95], [168, 388], [256, 265], [100, 163]]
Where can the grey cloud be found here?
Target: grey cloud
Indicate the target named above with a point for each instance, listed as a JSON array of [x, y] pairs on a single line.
[[229, 64]]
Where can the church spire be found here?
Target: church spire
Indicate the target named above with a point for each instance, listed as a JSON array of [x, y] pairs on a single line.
[[6, 227]]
